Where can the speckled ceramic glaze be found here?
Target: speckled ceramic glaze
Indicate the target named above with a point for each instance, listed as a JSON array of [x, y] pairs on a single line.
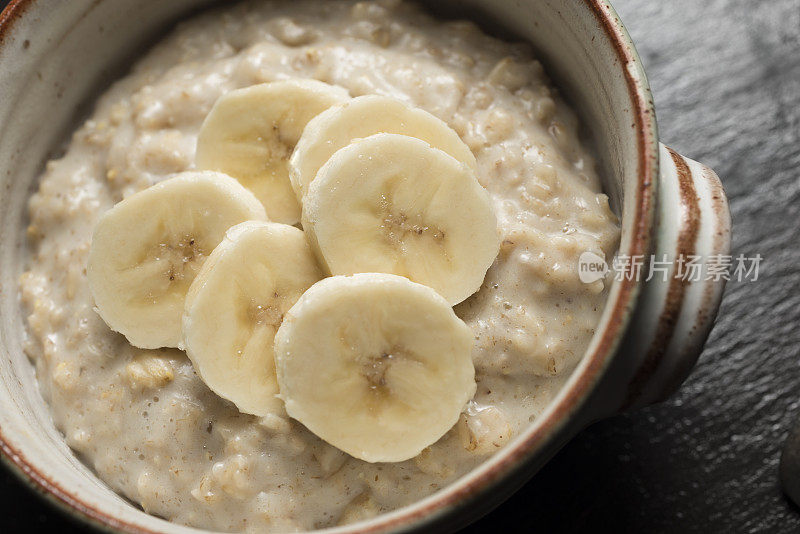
[[54, 57]]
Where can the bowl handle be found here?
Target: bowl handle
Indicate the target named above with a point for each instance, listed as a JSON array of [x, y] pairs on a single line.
[[687, 274]]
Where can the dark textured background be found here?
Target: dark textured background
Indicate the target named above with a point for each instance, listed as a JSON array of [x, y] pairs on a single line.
[[726, 78]]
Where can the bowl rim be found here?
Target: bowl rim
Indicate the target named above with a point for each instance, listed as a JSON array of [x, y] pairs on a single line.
[[459, 495]]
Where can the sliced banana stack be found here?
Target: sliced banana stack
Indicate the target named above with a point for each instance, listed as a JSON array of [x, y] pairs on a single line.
[[235, 305], [147, 249], [394, 204], [250, 134], [372, 359], [375, 365], [363, 116]]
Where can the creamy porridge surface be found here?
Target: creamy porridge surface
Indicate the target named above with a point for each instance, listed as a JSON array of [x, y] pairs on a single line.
[[143, 419]]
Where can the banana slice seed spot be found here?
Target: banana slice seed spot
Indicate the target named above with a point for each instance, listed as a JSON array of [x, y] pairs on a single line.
[[265, 314], [398, 226], [187, 250], [375, 368], [182, 258]]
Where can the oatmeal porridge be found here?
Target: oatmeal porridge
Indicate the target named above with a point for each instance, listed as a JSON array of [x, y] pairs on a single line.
[[145, 421]]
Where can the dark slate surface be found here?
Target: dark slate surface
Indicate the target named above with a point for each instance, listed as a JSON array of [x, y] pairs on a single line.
[[726, 78]]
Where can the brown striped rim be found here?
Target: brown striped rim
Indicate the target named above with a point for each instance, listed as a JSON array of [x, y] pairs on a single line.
[[712, 294], [514, 458], [686, 246]]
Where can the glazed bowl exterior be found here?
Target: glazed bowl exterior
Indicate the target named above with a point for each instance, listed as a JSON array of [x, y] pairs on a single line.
[[56, 56]]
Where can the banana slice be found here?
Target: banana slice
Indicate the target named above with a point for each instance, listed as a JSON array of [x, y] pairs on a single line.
[[250, 133], [235, 305], [393, 204], [361, 117], [375, 365], [147, 249]]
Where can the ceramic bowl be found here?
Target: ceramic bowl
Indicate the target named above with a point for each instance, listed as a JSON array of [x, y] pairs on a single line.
[[56, 56]]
